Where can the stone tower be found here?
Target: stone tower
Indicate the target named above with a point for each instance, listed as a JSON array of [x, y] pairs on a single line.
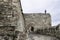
[[11, 20]]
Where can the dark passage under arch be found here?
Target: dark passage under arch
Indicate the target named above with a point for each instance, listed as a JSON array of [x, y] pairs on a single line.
[[32, 28]]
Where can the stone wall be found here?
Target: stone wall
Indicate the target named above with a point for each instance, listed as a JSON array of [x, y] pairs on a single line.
[[11, 20], [58, 26], [7, 13], [37, 20], [11, 14]]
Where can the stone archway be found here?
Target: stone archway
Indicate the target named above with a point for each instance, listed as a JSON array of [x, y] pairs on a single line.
[[30, 27]]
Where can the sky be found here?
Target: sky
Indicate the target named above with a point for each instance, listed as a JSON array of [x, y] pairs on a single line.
[[39, 6]]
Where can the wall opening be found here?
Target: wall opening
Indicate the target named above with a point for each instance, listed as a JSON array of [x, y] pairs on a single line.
[[32, 28]]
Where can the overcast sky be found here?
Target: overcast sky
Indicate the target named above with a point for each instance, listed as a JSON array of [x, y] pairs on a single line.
[[38, 6]]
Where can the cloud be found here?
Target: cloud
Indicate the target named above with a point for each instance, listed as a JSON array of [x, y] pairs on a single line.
[[36, 6]]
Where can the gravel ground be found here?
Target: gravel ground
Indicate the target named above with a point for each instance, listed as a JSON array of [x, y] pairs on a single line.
[[40, 37]]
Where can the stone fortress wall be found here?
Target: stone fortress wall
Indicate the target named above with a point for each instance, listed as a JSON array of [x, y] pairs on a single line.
[[41, 23], [11, 20], [10, 13], [14, 24], [38, 20]]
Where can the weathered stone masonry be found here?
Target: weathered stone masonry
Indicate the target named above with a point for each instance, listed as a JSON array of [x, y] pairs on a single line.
[[38, 20], [14, 25], [11, 20]]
